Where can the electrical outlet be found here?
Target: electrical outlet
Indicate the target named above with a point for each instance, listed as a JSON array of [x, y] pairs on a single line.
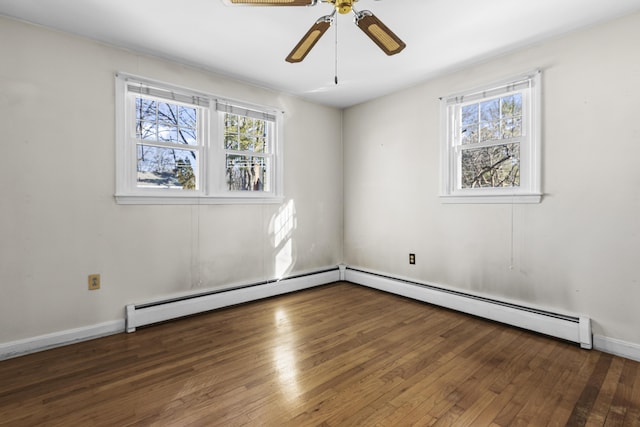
[[94, 282], [412, 258]]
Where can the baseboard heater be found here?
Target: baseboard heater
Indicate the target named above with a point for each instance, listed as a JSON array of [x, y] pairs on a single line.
[[160, 311], [571, 328]]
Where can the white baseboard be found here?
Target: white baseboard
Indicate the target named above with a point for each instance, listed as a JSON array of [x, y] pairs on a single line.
[[566, 326], [43, 342], [294, 283], [160, 311], [58, 339], [617, 347], [402, 286]]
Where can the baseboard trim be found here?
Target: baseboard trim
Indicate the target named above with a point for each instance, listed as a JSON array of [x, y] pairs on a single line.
[[57, 339], [25, 346], [174, 308], [570, 327], [251, 292], [617, 347], [403, 286]]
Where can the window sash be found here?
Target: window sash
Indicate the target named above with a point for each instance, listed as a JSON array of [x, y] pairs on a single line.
[[133, 143], [269, 153]]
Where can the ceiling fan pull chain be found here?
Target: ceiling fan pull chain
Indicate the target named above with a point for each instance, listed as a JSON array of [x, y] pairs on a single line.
[[336, 53]]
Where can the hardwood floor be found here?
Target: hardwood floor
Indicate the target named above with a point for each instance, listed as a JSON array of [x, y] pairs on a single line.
[[338, 355]]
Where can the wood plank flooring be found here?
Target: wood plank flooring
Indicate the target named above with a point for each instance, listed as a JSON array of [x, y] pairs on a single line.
[[338, 355]]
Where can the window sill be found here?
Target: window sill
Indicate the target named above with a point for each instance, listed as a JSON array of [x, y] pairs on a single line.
[[492, 199], [127, 199]]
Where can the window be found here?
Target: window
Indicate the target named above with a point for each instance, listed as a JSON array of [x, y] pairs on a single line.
[[247, 148], [490, 144], [177, 146]]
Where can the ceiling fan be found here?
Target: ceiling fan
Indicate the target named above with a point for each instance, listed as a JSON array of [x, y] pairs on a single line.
[[365, 20]]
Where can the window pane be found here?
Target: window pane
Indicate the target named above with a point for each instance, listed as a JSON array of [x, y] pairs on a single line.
[[246, 143], [145, 109], [512, 105], [511, 128], [246, 173], [490, 110], [260, 145], [167, 113], [231, 141], [147, 130], [469, 114], [231, 122], [489, 131], [166, 168], [167, 133], [187, 136], [470, 134], [251, 143], [187, 117], [492, 167]]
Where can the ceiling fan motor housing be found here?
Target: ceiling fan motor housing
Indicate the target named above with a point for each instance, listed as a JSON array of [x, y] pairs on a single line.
[[344, 6]]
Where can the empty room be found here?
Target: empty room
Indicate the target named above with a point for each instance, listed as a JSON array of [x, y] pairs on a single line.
[[320, 213]]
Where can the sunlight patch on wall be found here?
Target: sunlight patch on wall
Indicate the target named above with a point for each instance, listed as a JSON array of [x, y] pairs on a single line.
[[284, 222], [284, 260], [282, 226]]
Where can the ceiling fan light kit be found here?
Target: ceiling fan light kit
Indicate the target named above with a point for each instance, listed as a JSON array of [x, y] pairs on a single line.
[[379, 33]]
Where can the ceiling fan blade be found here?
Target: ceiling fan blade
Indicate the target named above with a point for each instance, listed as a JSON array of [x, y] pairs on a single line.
[[310, 39], [271, 2], [379, 33]]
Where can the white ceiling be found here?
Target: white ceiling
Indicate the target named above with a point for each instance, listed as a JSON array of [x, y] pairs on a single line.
[[250, 43]]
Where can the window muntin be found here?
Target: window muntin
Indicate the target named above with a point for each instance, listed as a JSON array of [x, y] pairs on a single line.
[[490, 143], [177, 146]]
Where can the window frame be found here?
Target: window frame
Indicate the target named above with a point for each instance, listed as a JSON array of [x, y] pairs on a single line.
[[451, 147], [210, 181]]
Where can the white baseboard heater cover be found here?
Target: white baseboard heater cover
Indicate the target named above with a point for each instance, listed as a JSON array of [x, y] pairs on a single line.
[[160, 311], [570, 328]]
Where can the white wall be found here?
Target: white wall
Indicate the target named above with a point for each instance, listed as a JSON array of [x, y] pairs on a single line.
[[58, 218], [578, 251]]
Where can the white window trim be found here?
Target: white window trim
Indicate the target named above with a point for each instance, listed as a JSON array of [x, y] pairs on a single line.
[[211, 187], [530, 151]]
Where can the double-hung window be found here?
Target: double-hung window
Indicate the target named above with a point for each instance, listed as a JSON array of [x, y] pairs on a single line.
[[490, 143], [178, 146]]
